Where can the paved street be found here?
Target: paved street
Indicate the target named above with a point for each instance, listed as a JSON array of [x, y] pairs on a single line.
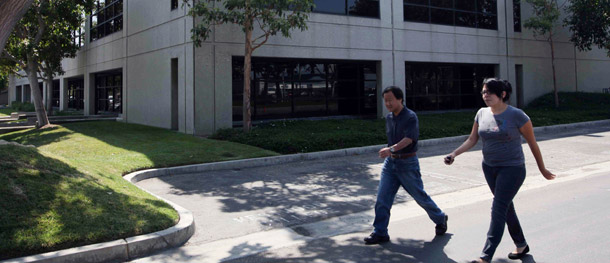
[[303, 211]]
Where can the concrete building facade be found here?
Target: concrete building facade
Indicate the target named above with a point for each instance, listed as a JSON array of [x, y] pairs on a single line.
[[145, 68]]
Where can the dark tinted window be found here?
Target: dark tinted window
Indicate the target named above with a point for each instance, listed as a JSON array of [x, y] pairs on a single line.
[[517, 15], [364, 8], [417, 13], [467, 13], [289, 88], [330, 6], [106, 19], [444, 86], [441, 16]]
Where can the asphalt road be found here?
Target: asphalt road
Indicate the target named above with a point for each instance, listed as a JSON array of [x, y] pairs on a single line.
[[563, 222], [243, 212]]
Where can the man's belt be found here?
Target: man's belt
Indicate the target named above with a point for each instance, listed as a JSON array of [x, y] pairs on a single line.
[[403, 155]]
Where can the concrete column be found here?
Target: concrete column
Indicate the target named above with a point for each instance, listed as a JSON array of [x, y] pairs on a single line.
[[45, 92], [12, 89], [63, 94], [89, 96]]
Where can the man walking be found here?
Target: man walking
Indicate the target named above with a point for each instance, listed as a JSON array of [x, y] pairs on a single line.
[[401, 168]]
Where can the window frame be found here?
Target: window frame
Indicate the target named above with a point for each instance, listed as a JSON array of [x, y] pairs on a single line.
[[454, 10], [108, 25], [346, 10]]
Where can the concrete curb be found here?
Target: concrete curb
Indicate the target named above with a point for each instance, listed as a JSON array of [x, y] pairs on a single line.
[[139, 246]]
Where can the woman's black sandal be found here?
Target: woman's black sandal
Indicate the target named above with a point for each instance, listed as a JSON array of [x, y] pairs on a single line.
[[519, 255]]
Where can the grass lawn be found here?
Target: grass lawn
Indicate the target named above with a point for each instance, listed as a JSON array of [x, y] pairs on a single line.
[[68, 190], [310, 136], [6, 112]]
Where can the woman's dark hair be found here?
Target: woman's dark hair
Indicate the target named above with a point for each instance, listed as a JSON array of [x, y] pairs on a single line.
[[496, 86], [395, 90]]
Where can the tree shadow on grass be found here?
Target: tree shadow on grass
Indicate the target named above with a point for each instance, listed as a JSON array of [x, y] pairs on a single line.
[[47, 205]]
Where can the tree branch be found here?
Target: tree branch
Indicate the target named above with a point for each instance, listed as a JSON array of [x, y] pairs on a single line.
[[12, 58], [262, 43], [41, 26]]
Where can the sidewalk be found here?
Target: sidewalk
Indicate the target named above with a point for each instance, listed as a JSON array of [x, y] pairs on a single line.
[[267, 203], [264, 208]]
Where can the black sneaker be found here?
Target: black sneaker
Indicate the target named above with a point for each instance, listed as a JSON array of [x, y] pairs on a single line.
[[441, 229], [376, 239]]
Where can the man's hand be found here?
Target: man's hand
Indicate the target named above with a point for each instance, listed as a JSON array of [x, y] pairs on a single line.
[[385, 152]]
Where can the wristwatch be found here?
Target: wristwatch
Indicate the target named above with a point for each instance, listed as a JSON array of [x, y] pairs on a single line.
[[392, 149]]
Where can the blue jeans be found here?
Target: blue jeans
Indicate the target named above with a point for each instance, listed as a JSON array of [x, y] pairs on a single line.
[[504, 182], [405, 172]]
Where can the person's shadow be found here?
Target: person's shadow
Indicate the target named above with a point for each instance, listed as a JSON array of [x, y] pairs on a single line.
[[432, 251], [528, 258]]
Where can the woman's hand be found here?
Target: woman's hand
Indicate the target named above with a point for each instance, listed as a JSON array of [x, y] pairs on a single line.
[[449, 158], [547, 174]]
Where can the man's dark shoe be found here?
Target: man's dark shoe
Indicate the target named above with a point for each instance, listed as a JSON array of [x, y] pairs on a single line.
[[376, 239], [441, 229]]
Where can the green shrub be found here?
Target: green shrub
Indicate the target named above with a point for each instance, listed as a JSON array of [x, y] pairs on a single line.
[[23, 106]]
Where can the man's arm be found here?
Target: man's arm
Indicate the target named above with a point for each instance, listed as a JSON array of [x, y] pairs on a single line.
[[385, 152]]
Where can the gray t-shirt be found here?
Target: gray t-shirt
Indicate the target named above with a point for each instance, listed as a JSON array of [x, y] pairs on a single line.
[[501, 137]]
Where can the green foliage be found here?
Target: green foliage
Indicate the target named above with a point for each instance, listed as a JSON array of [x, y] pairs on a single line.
[[589, 21], [271, 16], [44, 35], [3, 81], [22, 106], [299, 136], [69, 190], [546, 14]]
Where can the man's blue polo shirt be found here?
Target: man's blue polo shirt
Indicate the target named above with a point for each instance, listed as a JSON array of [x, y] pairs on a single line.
[[404, 125]]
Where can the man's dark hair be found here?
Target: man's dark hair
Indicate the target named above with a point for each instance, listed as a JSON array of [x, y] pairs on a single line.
[[395, 90], [496, 86]]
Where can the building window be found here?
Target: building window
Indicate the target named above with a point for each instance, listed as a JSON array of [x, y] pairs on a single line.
[[27, 93], [76, 93], [55, 93], [174, 4], [108, 93], [441, 86], [517, 15], [465, 13], [78, 37], [106, 19], [18, 93], [283, 88], [363, 8]]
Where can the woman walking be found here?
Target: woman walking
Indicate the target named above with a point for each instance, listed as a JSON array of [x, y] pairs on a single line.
[[500, 127]]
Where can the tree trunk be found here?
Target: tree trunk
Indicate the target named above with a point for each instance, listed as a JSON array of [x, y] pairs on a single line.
[[247, 121], [41, 113], [553, 67], [49, 90], [12, 11]]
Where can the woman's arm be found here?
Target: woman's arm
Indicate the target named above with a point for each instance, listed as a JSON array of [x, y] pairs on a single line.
[[469, 143], [527, 131]]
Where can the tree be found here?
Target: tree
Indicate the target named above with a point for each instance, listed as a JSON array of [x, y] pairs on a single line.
[[12, 11], [40, 41], [270, 16], [543, 23], [589, 21]]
